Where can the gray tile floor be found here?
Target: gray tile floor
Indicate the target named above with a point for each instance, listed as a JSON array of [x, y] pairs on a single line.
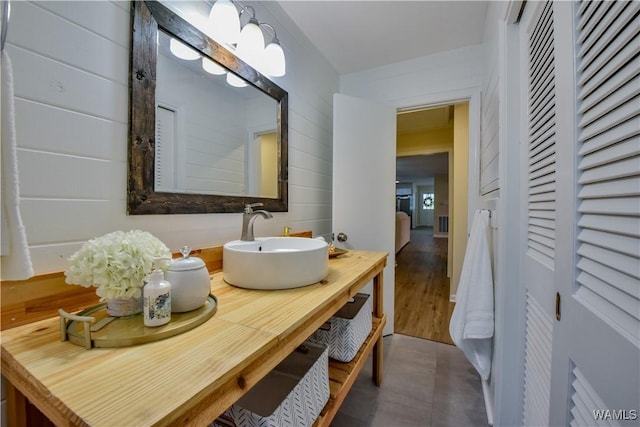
[[425, 383]]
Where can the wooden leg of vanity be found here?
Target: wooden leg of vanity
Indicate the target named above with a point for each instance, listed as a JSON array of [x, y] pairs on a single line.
[[377, 362], [16, 406], [378, 311]]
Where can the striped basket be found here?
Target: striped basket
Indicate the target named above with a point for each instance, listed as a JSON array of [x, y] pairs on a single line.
[[292, 395], [347, 330]]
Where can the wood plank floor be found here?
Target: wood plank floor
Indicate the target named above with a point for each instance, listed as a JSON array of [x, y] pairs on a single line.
[[422, 307]]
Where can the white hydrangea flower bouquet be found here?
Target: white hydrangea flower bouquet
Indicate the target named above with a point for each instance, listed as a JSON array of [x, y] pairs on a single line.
[[116, 263]]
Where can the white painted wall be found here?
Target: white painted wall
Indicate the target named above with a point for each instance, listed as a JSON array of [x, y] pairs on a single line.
[[71, 85], [431, 79]]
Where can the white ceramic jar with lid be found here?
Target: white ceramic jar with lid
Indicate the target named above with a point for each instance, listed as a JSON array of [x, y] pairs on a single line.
[[190, 283]]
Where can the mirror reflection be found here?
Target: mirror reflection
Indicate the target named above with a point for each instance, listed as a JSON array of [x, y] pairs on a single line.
[[211, 137], [208, 133]]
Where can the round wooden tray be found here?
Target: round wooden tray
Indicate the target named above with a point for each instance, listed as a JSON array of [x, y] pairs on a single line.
[[93, 327]]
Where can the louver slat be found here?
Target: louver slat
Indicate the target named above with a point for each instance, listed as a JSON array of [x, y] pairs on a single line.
[[617, 30], [586, 9], [613, 188], [615, 116], [620, 169], [584, 399], [595, 14], [541, 222], [626, 245], [621, 224], [622, 282], [627, 206], [610, 137], [612, 22]]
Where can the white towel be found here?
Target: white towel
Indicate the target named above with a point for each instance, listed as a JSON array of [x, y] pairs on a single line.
[[472, 321], [16, 260]]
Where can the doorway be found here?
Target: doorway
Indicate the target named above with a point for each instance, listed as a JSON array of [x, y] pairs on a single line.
[[428, 162]]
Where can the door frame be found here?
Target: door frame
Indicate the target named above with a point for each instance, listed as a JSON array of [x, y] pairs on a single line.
[[508, 381]]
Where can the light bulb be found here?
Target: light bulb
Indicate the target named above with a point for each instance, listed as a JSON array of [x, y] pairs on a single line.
[[182, 51], [212, 67], [251, 44], [224, 22], [234, 80], [274, 61]]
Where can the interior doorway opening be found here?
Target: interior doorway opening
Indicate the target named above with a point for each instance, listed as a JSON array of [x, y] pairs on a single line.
[[431, 160]]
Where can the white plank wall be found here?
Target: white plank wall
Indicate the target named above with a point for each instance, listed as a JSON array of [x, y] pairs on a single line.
[[432, 78], [489, 156], [489, 141], [71, 85]]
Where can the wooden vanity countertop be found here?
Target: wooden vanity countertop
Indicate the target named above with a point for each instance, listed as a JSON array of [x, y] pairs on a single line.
[[188, 379]]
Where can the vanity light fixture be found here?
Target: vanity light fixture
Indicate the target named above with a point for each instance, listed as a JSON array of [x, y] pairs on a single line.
[[246, 41]]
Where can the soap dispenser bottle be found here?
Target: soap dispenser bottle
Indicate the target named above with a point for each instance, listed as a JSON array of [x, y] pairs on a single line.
[[157, 300]]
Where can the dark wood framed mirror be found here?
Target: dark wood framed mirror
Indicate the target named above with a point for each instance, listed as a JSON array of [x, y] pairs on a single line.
[[152, 22]]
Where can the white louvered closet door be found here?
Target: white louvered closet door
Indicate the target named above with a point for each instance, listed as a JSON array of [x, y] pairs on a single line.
[[538, 203], [596, 356]]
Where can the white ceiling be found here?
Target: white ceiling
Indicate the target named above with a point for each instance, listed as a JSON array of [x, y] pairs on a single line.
[[357, 35]]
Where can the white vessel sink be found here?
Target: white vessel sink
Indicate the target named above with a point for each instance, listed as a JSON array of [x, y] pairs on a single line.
[[275, 262]]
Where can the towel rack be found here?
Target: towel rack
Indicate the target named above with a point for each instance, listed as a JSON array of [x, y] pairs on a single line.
[[6, 13], [493, 220]]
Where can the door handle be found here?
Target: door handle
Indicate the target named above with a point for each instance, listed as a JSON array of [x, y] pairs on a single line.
[[342, 237]]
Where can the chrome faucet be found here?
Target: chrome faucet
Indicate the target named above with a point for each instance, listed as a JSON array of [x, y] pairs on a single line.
[[249, 217]]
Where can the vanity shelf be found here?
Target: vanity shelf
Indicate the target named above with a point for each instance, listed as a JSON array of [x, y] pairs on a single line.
[[342, 375], [217, 362]]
